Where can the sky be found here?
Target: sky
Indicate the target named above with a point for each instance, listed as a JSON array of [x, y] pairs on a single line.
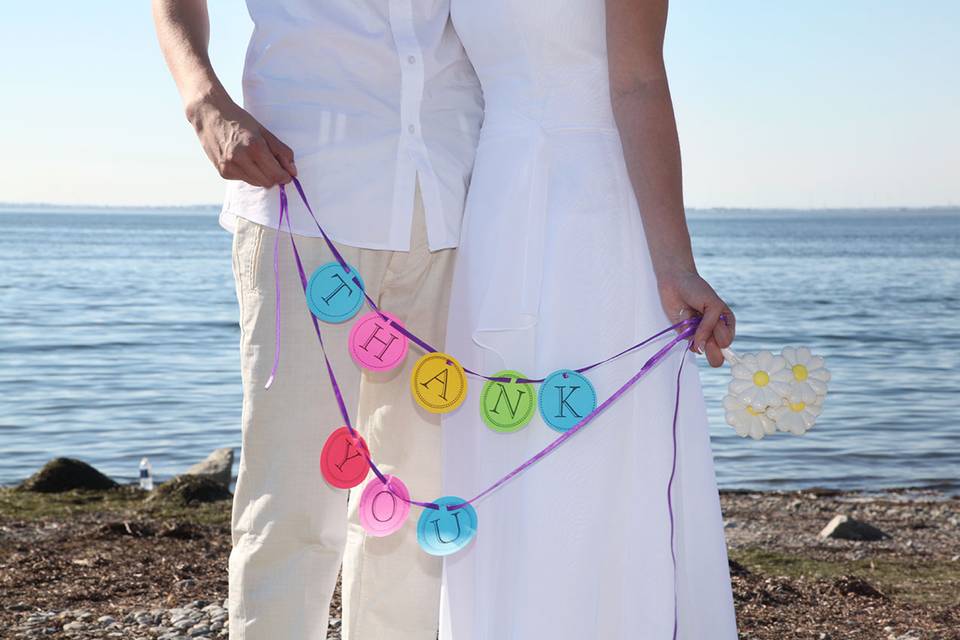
[[839, 103]]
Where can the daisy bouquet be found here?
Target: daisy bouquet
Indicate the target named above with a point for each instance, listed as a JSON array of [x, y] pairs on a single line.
[[770, 393]]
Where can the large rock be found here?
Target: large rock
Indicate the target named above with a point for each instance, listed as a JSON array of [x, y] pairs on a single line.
[[846, 528], [66, 474], [185, 490], [218, 466]]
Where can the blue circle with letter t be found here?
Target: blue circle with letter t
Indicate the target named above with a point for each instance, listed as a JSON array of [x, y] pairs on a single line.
[[335, 295]]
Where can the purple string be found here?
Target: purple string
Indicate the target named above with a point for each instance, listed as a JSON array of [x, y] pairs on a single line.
[[690, 326], [673, 473], [345, 414], [647, 366], [338, 394], [423, 344], [276, 282]]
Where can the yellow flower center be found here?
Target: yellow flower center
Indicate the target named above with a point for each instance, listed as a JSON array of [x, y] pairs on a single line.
[[797, 406], [761, 378], [752, 411], [799, 372]]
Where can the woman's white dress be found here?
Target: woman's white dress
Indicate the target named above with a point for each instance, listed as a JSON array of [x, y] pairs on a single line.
[[554, 272]]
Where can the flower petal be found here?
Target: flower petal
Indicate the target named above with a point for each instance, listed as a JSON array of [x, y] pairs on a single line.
[[741, 372], [778, 363], [820, 374], [764, 360], [819, 388], [738, 387], [790, 355]]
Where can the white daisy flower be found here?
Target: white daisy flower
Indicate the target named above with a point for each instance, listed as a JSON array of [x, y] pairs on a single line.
[[746, 420], [808, 379], [760, 380], [795, 417]]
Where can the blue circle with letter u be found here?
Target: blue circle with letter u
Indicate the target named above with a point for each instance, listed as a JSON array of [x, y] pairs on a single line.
[[566, 397], [333, 294], [443, 531]]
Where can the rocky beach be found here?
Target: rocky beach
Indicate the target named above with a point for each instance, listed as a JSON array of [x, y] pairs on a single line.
[[113, 561]]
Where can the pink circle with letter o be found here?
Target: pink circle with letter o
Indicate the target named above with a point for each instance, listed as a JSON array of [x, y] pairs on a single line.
[[384, 507], [375, 344]]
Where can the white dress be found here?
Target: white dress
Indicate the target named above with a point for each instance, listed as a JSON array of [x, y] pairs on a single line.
[[553, 272]]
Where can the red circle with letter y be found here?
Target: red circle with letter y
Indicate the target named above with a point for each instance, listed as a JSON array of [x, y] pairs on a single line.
[[343, 460]]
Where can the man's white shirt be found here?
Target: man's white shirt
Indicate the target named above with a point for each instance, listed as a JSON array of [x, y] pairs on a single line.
[[370, 95]]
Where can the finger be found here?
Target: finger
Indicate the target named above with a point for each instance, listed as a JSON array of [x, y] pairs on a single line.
[[730, 319], [714, 355], [711, 315], [281, 152], [268, 164], [723, 332], [249, 172]]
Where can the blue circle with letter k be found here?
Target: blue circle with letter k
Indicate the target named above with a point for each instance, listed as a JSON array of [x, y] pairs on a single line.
[[566, 397], [333, 294], [443, 531]]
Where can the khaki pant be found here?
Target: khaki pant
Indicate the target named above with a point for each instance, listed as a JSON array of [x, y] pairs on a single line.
[[290, 529]]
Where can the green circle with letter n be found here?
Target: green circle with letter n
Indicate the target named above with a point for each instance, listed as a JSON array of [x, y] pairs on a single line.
[[507, 406]]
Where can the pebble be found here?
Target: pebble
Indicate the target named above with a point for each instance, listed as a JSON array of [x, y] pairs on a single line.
[[198, 619]]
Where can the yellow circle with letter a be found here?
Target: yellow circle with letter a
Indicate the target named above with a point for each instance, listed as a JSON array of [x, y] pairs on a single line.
[[438, 382]]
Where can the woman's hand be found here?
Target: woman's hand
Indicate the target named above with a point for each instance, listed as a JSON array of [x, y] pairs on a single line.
[[684, 294]]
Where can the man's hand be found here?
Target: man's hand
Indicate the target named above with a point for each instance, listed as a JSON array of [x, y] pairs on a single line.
[[684, 294], [239, 146], [235, 142]]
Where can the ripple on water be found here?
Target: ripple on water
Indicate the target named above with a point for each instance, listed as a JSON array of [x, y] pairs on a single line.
[[122, 341]]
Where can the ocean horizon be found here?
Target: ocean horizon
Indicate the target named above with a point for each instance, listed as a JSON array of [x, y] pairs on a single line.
[[119, 339]]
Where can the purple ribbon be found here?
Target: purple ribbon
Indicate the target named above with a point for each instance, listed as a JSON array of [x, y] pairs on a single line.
[[689, 325], [688, 329], [423, 344], [562, 438]]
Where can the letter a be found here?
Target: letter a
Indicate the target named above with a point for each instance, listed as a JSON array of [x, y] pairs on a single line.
[[441, 377]]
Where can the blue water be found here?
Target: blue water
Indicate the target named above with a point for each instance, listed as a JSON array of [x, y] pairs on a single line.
[[118, 339]]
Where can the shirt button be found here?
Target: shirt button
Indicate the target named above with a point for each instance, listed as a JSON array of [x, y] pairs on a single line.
[[412, 129], [411, 59]]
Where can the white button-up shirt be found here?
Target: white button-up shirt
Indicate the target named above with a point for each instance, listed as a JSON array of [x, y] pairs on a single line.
[[371, 95]]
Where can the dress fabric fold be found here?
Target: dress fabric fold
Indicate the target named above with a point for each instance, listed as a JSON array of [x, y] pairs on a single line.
[[554, 272]]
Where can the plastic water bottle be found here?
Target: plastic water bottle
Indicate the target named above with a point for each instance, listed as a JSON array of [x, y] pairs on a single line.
[[146, 475]]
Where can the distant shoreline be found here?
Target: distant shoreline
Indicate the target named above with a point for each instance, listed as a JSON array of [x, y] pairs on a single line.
[[15, 207]]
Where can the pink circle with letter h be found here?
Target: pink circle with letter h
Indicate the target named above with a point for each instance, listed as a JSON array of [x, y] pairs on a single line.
[[383, 511], [377, 345]]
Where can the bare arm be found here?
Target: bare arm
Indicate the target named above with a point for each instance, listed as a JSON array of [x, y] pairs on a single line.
[[239, 146], [644, 114]]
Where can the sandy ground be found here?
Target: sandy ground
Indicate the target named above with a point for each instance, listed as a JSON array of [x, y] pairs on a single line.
[[108, 565]]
